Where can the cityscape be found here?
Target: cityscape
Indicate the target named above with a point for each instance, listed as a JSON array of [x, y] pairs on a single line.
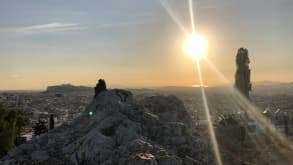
[[154, 82]]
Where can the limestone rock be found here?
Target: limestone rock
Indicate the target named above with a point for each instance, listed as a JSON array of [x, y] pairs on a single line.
[[168, 108], [121, 131], [189, 161], [39, 155], [169, 160]]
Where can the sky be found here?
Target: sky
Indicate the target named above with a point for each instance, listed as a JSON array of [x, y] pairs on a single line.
[[136, 43]]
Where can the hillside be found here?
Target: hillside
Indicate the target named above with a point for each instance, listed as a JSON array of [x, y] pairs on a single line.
[[122, 130]]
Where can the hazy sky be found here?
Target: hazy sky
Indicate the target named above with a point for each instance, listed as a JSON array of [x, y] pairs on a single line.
[[135, 43]]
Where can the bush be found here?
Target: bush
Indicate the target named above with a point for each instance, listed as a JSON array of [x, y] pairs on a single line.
[[12, 123]]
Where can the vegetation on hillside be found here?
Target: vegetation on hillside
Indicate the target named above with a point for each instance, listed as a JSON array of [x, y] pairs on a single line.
[[12, 122]]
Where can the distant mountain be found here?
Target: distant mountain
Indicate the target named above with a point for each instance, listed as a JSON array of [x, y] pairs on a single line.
[[259, 88], [269, 83], [65, 88], [272, 88]]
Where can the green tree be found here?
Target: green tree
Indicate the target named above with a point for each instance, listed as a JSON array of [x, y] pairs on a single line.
[[21, 121], [12, 123]]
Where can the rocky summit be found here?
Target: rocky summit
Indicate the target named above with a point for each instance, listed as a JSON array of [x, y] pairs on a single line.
[[117, 129]]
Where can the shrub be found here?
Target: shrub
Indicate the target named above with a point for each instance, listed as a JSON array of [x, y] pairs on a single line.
[[12, 122]]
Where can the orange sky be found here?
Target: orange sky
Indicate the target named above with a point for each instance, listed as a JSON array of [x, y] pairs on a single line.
[[138, 44]]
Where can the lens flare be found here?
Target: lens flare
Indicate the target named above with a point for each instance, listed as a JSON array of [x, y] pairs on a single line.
[[195, 45], [91, 113], [208, 116], [172, 14]]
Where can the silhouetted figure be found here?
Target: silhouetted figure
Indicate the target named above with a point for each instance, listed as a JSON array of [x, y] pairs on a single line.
[[52, 122], [286, 125], [101, 86], [242, 76]]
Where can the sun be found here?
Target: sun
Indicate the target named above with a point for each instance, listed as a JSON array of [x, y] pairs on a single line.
[[195, 45]]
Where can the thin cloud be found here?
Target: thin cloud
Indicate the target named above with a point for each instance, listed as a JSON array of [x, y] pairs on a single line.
[[121, 24], [50, 27]]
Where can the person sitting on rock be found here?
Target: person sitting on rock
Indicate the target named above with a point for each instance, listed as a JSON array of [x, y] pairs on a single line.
[[101, 86]]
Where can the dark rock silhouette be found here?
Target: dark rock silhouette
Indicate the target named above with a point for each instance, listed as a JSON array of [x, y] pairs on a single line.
[[101, 86], [242, 76]]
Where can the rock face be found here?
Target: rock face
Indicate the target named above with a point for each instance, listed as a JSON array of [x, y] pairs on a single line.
[[242, 76], [121, 131]]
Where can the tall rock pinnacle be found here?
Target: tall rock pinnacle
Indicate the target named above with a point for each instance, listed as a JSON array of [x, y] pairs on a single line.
[[242, 76]]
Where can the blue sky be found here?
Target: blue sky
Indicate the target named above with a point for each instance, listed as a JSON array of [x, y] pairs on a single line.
[[136, 43]]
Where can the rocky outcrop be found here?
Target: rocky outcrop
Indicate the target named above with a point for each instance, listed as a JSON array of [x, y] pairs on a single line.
[[67, 88], [121, 131]]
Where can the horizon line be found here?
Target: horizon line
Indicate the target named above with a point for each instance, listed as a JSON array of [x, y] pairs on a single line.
[[142, 87]]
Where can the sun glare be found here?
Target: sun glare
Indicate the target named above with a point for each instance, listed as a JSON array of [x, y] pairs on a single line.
[[195, 45]]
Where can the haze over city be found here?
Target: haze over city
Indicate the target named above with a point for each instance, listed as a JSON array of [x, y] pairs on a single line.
[[153, 82], [134, 43]]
